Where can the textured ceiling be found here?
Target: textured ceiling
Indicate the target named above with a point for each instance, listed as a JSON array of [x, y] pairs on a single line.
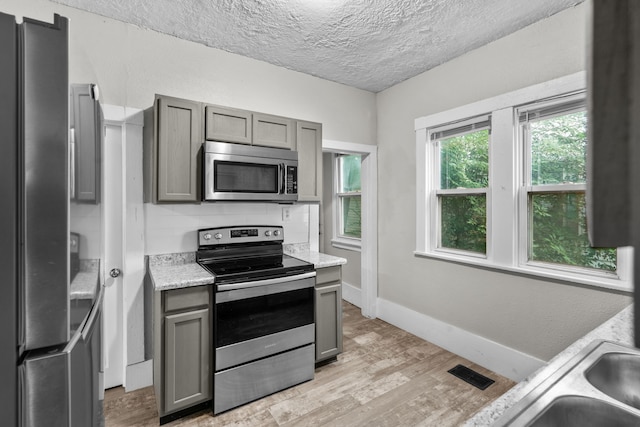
[[370, 45]]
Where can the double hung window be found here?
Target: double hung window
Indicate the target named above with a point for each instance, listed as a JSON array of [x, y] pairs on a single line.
[[501, 183], [553, 219], [462, 176], [347, 224]]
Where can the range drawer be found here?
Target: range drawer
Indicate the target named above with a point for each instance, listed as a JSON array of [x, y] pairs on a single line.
[[242, 384]]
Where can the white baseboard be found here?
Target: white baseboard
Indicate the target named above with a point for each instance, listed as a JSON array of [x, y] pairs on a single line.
[[139, 375], [496, 357], [352, 294]]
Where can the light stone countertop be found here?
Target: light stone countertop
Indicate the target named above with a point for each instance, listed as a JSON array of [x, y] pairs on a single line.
[[180, 270], [85, 283], [618, 329], [174, 271], [318, 259]]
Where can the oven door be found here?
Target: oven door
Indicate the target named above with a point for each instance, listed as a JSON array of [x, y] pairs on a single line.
[[237, 177], [257, 319]]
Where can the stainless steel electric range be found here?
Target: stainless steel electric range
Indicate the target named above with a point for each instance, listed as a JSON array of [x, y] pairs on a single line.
[[263, 316]]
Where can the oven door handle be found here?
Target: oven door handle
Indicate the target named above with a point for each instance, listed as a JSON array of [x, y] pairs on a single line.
[[265, 282]]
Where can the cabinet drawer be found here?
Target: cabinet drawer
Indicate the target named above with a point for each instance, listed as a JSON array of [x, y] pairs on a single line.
[[328, 275], [179, 299]]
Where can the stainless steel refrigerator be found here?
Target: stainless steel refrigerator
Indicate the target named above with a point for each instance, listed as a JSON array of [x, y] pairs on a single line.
[[50, 336]]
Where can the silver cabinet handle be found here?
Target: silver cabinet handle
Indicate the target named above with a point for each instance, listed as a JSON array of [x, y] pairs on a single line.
[[115, 272]]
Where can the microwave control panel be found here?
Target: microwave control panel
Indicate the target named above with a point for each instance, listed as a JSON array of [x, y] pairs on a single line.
[[292, 180]]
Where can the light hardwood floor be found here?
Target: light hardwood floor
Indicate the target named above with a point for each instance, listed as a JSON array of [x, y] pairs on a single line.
[[384, 377]]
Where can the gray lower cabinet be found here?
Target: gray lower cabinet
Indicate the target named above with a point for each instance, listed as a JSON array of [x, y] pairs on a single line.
[[182, 350], [328, 312]]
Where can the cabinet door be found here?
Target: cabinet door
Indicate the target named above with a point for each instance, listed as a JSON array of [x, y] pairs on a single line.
[[86, 125], [187, 373], [228, 125], [309, 147], [328, 321], [273, 131], [179, 142]]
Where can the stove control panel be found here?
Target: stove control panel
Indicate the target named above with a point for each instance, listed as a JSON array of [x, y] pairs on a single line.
[[240, 234]]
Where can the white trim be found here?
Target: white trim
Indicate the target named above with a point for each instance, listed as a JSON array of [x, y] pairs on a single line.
[[494, 356], [352, 294], [129, 122], [369, 241], [346, 244], [566, 84], [139, 375]]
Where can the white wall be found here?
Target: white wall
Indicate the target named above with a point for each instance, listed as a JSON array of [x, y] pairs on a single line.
[[173, 228], [536, 317]]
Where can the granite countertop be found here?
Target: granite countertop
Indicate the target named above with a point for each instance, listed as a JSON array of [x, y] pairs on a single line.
[[174, 271], [86, 281], [318, 259], [618, 329]]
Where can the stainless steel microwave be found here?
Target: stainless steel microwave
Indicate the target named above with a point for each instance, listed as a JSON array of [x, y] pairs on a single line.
[[249, 173]]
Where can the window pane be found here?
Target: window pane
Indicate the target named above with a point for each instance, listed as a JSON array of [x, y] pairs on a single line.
[[351, 216], [349, 174], [559, 232], [558, 149], [464, 161], [463, 222]]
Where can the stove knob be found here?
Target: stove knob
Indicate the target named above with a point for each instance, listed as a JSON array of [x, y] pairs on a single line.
[[218, 236], [206, 236], [276, 232], [267, 233]]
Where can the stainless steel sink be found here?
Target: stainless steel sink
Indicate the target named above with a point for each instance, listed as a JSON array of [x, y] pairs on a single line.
[[600, 386], [618, 376]]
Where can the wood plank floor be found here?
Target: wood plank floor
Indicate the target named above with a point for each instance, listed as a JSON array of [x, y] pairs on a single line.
[[384, 377]]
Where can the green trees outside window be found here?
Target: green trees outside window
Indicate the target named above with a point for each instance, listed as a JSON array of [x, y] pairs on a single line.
[[349, 195], [464, 165], [557, 216]]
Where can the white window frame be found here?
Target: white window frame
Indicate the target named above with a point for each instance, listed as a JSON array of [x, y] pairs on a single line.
[[339, 240], [437, 191], [505, 198]]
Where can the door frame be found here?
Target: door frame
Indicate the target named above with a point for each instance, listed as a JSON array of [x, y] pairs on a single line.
[[128, 124], [369, 240]]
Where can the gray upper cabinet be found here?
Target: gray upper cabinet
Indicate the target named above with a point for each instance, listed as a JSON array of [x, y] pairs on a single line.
[[175, 161], [228, 124], [274, 131], [86, 142], [309, 147]]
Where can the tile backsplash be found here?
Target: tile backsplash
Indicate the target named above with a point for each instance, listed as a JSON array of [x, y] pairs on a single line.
[[172, 228]]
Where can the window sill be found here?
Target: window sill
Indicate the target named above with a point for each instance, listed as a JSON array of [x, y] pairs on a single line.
[[613, 283], [347, 244]]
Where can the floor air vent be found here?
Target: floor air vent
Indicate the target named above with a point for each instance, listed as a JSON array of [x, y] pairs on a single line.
[[471, 376]]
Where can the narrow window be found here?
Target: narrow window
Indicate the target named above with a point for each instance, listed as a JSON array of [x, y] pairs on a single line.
[[349, 190], [462, 180]]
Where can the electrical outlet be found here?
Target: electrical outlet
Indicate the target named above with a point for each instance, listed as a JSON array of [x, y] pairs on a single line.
[[286, 213]]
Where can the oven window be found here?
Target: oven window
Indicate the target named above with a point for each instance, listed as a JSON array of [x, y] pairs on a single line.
[[242, 320], [237, 177]]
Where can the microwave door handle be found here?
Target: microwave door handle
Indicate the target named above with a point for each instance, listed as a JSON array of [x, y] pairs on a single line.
[[282, 177]]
